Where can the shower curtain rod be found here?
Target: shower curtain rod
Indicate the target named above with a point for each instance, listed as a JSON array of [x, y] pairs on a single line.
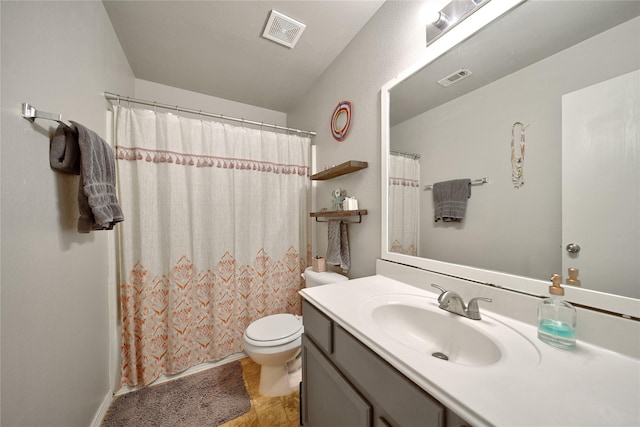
[[402, 153], [115, 97]]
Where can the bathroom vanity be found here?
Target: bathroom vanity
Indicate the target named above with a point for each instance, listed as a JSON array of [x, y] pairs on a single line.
[[367, 352], [346, 384]]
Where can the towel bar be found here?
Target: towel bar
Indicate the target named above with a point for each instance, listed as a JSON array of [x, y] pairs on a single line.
[[479, 181], [30, 113]]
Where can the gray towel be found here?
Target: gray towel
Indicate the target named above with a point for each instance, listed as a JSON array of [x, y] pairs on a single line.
[[338, 246], [64, 152], [450, 199], [81, 151]]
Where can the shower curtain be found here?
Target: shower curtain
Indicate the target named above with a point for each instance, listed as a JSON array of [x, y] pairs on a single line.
[[404, 199], [214, 237]]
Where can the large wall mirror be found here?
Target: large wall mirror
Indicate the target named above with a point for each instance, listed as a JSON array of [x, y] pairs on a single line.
[[550, 90]]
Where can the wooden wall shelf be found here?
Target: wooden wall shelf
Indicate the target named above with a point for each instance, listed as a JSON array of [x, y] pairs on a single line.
[[341, 169], [339, 214]]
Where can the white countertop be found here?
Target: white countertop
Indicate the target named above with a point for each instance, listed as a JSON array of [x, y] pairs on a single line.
[[586, 386]]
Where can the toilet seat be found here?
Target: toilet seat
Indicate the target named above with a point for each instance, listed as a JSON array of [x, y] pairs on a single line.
[[273, 330]]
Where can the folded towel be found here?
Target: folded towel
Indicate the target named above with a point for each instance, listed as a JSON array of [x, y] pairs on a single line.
[[64, 152], [81, 151], [450, 199], [338, 246]]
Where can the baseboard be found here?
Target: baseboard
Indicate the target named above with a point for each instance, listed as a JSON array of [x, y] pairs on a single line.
[[102, 410]]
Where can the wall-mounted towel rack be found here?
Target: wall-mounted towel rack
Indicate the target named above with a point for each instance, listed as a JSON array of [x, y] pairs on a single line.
[[479, 181], [30, 113]]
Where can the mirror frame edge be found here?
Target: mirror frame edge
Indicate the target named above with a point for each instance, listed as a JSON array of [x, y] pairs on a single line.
[[615, 304]]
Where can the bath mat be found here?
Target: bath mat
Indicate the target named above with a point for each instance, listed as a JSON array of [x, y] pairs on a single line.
[[207, 398]]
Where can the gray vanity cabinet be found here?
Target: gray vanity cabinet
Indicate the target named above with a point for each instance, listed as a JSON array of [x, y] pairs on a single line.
[[346, 384]]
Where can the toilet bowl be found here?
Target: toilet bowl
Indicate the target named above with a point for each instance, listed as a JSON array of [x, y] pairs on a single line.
[[274, 342]]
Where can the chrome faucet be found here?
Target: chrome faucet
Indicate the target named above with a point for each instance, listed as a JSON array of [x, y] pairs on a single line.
[[452, 302]]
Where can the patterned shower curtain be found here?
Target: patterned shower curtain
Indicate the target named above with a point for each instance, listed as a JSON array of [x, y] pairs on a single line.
[[404, 202], [214, 237]]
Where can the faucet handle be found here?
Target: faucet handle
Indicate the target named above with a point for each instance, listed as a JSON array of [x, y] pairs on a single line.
[[441, 289], [472, 309]]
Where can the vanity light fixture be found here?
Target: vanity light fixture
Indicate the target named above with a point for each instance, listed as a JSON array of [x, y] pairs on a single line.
[[451, 15], [442, 21]]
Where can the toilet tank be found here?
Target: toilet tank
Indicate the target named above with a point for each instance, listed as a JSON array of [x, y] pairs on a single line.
[[314, 278]]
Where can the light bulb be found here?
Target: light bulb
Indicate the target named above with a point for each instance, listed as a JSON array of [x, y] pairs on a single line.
[[442, 21]]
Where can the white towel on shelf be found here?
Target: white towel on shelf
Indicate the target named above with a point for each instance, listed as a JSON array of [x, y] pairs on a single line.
[[338, 245]]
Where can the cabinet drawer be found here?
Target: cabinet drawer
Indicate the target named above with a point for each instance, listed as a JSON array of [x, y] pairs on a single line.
[[317, 326], [402, 402]]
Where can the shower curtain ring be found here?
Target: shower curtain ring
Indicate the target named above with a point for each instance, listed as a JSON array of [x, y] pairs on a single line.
[[155, 107]]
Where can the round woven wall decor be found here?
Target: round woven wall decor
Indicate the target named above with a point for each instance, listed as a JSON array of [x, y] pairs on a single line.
[[341, 120]]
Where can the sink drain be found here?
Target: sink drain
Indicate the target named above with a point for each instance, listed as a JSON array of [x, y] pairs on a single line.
[[440, 355]]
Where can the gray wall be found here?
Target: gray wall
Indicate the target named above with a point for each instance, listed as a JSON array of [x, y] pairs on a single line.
[[60, 57], [391, 41]]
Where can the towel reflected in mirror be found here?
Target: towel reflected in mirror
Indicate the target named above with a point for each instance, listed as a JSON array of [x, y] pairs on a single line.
[[450, 199]]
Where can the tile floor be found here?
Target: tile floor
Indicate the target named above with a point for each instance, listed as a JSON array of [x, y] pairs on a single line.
[[283, 411]]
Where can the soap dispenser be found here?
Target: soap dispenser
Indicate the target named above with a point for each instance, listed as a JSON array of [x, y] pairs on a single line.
[[557, 318]]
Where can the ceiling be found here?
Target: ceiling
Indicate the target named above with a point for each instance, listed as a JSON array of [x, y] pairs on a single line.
[[216, 47]]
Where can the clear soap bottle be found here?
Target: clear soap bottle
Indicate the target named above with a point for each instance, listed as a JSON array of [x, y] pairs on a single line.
[[557, 318]]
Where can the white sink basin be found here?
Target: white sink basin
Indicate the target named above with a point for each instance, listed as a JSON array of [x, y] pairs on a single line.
[[418, 324], [430, 332]]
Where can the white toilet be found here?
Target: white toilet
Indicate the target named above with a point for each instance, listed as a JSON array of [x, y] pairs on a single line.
[[274, 343]]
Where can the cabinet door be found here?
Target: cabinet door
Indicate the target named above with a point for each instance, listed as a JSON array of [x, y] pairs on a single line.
[[328, 400]]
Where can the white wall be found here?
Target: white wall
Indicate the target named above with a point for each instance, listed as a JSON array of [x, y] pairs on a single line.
[[152, 91], [391, 41], [60, 57], [514, 230]]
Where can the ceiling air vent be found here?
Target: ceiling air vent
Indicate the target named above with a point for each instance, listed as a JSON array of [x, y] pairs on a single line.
[[454, 77], [282, 29]]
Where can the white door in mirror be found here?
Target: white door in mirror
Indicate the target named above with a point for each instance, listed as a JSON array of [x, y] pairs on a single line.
[[600, 152]]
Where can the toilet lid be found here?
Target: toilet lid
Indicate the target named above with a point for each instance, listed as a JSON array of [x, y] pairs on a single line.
[[274, 327]]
